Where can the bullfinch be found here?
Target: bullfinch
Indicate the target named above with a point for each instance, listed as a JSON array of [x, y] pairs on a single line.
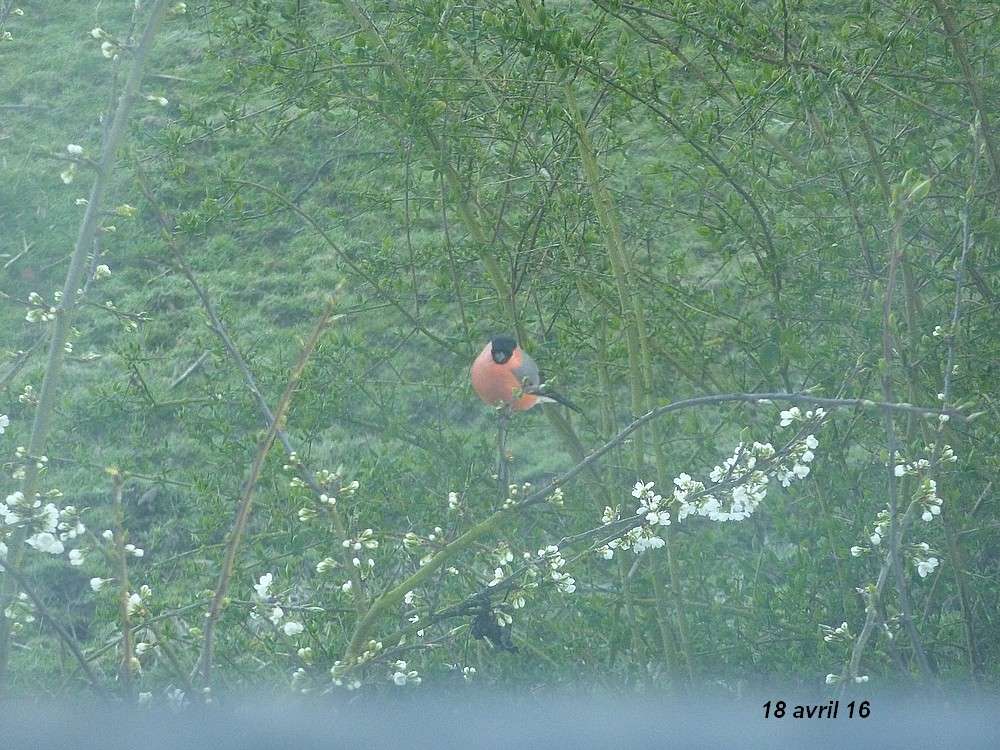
[[503, 372]]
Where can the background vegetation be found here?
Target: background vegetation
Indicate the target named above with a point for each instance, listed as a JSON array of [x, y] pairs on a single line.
[[662, 200]]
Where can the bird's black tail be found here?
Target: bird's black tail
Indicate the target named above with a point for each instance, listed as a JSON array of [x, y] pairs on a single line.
[[546, 395]]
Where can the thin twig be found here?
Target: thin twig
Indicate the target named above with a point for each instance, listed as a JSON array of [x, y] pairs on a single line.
[[895, 535], [189, 371], [125, 667], [15, 575], [246, 501], [21, 360], [873, 596], [16, 258], [355, 267], [99, 652], [503, 463]]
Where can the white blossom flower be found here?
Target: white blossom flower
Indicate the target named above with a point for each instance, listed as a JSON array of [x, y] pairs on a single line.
[[832, 679], [45, 541], [402, 676], [48, 518], [366, 540], [75, 557], [107, 49], [564, 582], [161, 100], [4, 423], [97, 32], [263, 585], [876, 538], [326, 565], [857, 551], [643, 543], [789, 416], [97, 583], [134, 603], [926, 566], [276, 614], [682, 480], [640, 489], [840, 633], [292, 628], [8, 512], [658, 517], [74, 149], [102, 272]]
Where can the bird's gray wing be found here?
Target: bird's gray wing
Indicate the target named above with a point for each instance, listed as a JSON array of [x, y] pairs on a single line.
[[528, 371]]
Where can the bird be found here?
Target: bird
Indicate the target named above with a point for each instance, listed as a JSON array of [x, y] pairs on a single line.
[[505, 373]]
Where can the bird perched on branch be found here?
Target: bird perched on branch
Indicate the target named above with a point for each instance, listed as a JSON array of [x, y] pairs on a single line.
[[503, 372]]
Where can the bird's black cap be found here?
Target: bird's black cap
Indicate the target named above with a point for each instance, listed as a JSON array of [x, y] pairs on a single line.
[[502, 348]]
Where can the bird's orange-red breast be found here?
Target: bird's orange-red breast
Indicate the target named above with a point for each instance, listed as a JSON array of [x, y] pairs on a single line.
[[503, 369]]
